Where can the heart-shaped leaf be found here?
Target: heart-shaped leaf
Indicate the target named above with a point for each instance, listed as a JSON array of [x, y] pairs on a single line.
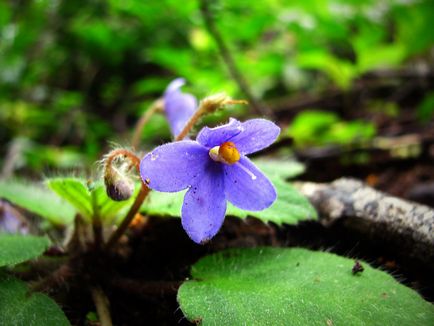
[[282, 286], [16, 249], [18, 307]]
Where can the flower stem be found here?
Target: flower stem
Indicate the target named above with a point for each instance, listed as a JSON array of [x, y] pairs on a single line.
[[54, 279], [184, 132], [207, 105], [108, 160], [144, 190], [98, 237], [144, 119], [102, 306]]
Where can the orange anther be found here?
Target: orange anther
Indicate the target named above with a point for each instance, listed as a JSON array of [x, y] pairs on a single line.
[[229, 153]]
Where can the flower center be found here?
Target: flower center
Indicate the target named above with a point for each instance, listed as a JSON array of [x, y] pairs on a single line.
[[225, 153]]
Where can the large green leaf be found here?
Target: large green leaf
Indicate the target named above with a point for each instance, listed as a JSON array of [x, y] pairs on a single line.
[[37, 199], [18, 308], [16, 249], [290, 206], [75, 192], [282, 286]]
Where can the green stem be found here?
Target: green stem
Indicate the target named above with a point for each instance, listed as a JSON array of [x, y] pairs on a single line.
[[96, 223], [229, 60]]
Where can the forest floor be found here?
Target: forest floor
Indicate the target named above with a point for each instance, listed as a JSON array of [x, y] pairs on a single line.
[[142, 277]]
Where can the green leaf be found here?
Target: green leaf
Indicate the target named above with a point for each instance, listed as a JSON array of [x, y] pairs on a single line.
[[89, 200], [290, 206], [313, 127], [425, 109], [19, 308], [282, 286], [342, 72], [37, 199], [16, 249], [75, 192], [163, 203], [280, 168]]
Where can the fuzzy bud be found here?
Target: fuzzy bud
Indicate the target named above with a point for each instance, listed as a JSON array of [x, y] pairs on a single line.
[[212, 103], [117, 167], [119, 189]]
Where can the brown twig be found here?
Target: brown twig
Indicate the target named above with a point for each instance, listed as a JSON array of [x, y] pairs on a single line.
[[226, 54]]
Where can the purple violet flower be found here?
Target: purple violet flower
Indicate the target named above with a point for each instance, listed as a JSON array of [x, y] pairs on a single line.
[[179, 106], [11, 221], [214, 169]]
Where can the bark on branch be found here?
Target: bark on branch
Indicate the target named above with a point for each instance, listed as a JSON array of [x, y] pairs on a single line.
[[375, 213]]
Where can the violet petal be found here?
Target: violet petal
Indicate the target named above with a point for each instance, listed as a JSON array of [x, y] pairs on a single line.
[[256, 134], [174, 166], [204, 205], [178, 106], [248, 188], [210, 137]]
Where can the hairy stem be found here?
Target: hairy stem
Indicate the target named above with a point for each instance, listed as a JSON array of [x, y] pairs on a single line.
[[53, 280], [229, 60], [190, 124], [98, 238], [144, 190], [207, 105], [108, 161], [102, 306], [144, 119]]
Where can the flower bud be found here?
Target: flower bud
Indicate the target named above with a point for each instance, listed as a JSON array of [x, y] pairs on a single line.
[[118, 187], [117, 166], [212, 103]]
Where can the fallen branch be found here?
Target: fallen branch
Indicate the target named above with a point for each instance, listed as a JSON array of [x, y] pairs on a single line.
[[376, 214]]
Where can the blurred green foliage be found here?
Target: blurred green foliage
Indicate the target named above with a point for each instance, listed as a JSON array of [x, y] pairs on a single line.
[[77, 73], [320, 128]]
